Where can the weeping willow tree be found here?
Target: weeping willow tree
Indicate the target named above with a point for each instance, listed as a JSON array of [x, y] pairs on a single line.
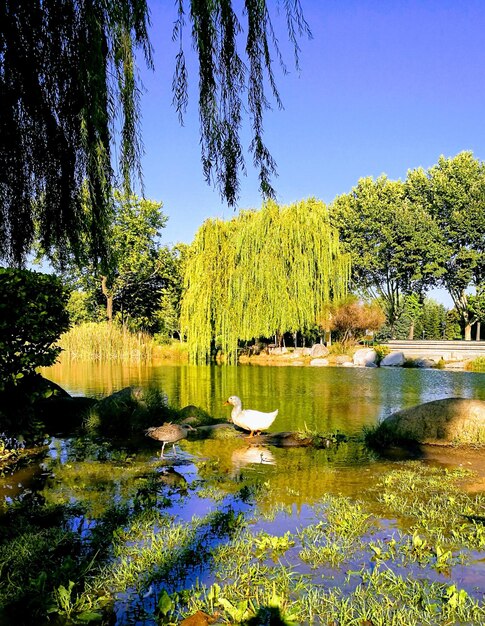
[[69, 90], [262, 273], [66, 70]]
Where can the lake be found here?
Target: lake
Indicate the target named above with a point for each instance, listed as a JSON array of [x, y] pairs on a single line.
[[338, 535], [325, 399]]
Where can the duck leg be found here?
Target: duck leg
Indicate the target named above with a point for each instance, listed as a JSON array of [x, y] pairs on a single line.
[[161, 453], [250, 435], [174, 450]]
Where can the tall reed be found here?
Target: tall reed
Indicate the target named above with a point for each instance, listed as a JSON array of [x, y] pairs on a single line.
[[104, 341]]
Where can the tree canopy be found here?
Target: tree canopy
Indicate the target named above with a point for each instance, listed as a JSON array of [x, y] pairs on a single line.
[[69, 88], [395, 244], [262, 273], [453, 193], [141, 285]]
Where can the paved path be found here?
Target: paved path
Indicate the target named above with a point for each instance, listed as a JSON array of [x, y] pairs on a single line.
[[446, 350]]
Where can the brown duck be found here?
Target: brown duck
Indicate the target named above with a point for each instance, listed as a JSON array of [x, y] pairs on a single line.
[[168, 433]]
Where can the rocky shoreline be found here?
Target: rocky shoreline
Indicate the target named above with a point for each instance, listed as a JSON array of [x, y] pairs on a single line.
[[379, 356]]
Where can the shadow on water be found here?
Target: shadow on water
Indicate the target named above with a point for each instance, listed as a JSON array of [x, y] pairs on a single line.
[[93, 507], [145, 540]]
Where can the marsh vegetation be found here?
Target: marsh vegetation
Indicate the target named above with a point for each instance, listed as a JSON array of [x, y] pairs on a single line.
[[98, 529], [100, 532]]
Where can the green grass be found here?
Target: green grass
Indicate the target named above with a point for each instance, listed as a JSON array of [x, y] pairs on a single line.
[[390, 557], [174, 351]]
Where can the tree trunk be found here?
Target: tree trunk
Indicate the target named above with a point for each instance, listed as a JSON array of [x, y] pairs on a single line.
[[411, 331], [468, 332], [479, 329], [109, 298]]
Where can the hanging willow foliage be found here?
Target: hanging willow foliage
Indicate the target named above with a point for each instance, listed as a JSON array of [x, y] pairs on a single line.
[[231, 81], [262, 273], [66, 71], [69, 89]]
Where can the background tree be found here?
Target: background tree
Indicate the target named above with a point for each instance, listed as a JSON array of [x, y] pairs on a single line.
[[433, 321], [393, 242], [413, 310], [261, 274], [134, 249], [453, 192], [353, 319], [68, 81], [140, 272], [429, 319], [83, 307], [169, 305], [477, 305]]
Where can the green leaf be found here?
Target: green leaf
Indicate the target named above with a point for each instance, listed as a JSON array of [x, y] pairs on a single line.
[[89, 616], [165, 603]]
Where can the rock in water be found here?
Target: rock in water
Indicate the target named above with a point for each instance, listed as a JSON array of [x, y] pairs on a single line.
[[451, 421]]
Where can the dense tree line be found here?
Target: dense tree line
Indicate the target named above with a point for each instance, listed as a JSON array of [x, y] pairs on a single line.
[[287, 270], [406, 237], [141, 285]]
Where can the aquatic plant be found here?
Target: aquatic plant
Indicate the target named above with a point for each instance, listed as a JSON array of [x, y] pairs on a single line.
[[382, 558]]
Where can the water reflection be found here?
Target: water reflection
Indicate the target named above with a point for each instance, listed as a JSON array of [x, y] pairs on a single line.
[[251, 455], [324, 399], [278, 489]]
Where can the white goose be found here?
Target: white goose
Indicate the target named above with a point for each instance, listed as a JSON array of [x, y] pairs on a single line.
[[248, 419]]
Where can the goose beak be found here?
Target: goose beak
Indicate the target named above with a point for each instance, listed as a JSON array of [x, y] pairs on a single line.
[[226, 403]]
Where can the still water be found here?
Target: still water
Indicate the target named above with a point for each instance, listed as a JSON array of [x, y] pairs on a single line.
[[275, 490], [323, 399]]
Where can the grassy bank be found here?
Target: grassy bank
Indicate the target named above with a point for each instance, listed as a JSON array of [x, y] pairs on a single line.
[[105, 342], [102, 341]]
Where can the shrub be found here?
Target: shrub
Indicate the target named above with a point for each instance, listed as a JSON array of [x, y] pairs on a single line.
[[477, 365], [381, 351], [32, 317], [354, 319]]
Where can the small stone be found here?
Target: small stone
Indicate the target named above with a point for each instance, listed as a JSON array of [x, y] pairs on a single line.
[[319, 362]]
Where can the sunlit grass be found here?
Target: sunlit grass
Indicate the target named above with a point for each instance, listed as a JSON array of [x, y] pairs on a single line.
[[104, 341], [388, 558]]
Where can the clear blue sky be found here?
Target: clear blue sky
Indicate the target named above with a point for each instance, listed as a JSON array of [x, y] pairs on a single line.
[[384, 86]]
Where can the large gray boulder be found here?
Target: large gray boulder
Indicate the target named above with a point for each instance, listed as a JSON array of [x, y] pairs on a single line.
[[364, 356], [451, 421], [318, 350], [395, 359]]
